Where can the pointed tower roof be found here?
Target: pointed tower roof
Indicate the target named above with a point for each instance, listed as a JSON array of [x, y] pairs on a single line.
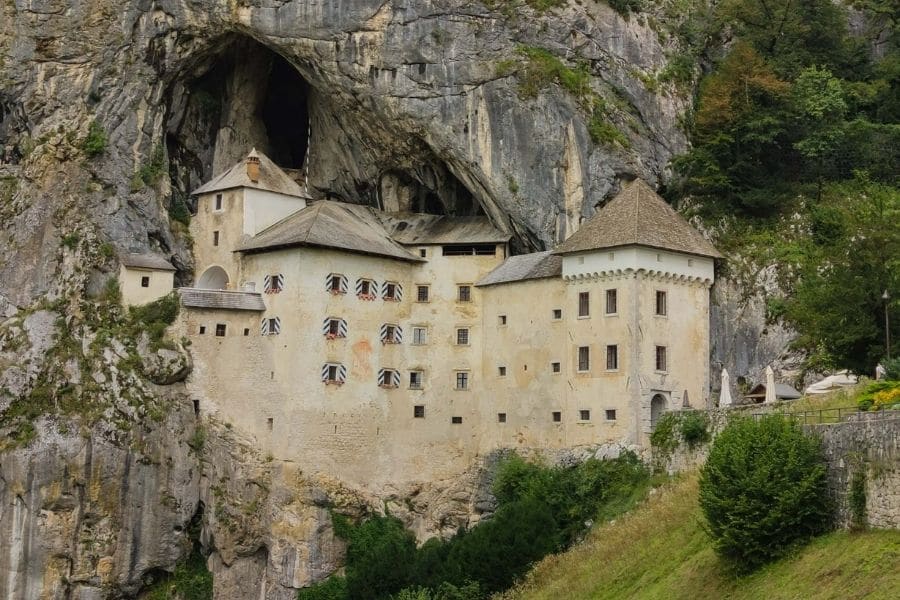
[[271, 178], [637, 216]]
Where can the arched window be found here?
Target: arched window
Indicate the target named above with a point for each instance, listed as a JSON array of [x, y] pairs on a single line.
[[657, 408], [213, 278]]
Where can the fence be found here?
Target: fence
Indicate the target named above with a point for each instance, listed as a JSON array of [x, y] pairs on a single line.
[[833, 415]]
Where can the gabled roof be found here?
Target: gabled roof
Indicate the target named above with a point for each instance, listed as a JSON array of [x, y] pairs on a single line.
[[221, 299], [329, 224], [538, 265], [417, 228], [782, 391], [147, 261], [637, 216], [271, 178]]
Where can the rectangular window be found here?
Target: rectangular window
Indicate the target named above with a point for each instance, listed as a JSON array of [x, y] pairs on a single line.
[[422, 293], [274, 283], [334, 327], [661, 308], [420, 336], [555, 367], [610, 414], [501, 417], [584, 358], [501, 319], [469, 250], [584, 415], [557, 416], [557, 314], [215, 238], [419, 411], [456, 420], [220, 329], [388, 378], [202, 329], [423, 252], [612, 304], [246, 331], [415, 380], [661, 358], [365, 287], [391, 334], [462, 380], [332, 373], [584, 304], [218, 201], [464, 293], [501, 371], [336, 283], [391, 291], [612, 357], [462, 336], [335, 373], [145, 281]]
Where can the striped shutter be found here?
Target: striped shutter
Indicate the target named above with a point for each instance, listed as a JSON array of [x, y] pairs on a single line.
[[272, 284], [398, 334], [373, 286], [389, 377], [343, 285], [398, 290], [264, 327], [270, 326], [342, 326], [267, 283], [341, 372], [382, 334]]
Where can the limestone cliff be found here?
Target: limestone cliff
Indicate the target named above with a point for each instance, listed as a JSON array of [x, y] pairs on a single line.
[[111, 112]]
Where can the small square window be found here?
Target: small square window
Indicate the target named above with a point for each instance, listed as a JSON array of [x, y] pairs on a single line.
[[462, 380], [462, 336], [501, 417], [419, 411], [612, 302], [215, 238], [422, 293], [420, 336], [246, 331], [145, 281], [610, 414], [661, 307], [584, 304], [423, 252], [557, 416], [501, 371], [202, 329], [456, 420], [415, 380], [464, 293], [220, 329], [584, 415], [218, 201], [502, 319], [557, 314], [556, 367], [365, 287], [580, 260]]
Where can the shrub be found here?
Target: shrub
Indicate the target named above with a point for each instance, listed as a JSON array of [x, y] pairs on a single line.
[[333, 588], [604, 132], [892, 368], [625, 7], [857, 498], [95, 142], [879, 394], [763, 490], [694, 426]]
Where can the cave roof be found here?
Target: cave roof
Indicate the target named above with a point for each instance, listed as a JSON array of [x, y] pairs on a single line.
[[271, 178], [537, 265], [637, 216], [329, 224], [147, 261], [418, 228]]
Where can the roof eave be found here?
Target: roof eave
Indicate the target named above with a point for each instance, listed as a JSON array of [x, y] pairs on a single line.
[[284, 246], [561, 252]]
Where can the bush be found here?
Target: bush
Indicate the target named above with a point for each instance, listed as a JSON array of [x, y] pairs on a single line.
[[95, 142], [763, 490], [892, 368], [879, 394], [694, 427]]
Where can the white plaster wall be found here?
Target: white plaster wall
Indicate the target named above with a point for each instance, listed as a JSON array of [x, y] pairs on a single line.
[[229, 223], [263, 208], [161, 283], [637, 258]]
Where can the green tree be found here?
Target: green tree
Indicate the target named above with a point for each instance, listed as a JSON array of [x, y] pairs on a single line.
[[763, 490], [818, 99]]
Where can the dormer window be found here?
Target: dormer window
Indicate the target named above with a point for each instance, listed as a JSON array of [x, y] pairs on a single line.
[[336, 284], [389, 378], [391, 291], [391, 334], [334, 328], [273, 283], [365, 289]]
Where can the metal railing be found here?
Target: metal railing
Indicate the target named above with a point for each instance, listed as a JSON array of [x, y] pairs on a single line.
[[833, 415]]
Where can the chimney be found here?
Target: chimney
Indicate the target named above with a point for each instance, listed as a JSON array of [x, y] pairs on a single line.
[[253, 166]]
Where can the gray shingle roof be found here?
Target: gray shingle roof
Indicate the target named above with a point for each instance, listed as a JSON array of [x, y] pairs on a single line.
[[538, 265], [637, 216], [147, 261], [416, 228], [782, 391], [271, 178], [329, 224], [221, 299]]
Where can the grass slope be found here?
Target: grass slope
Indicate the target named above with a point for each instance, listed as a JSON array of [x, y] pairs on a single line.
[[660, 551]]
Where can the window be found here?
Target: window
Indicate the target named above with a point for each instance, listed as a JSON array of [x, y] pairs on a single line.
[[270, 326], [456, 420], [366, 289], [584, 304], [415, 380], [421, 293], [464, 293], [469, 250], [218, 202], [388, 378], [584, 415], [610, 414], [215, 238], [334, 373], [501, 417], [335, 283], [202, 329], [391, 334], [555, 367], [501, 371], [557, 416], [462, 380], [246, 331], [391, 291], [612, 357], [661, 358], [502, 319], [145, 281], [584, 358], [420, 336], [423, 252], [661, 308], [333, 328], [611, 302], [462, 336], [419, 411], [220, 329], [557, 314]]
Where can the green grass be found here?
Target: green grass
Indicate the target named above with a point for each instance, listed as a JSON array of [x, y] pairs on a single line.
[[660, 551]]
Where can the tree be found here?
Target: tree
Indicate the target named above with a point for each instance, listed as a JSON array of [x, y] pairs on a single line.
[[818, 99], [763, 490]]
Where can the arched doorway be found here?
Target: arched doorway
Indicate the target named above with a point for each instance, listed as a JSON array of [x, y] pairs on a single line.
[[214, 278], [657, 408]]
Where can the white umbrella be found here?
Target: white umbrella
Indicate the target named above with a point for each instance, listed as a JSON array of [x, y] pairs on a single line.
[[725, 394], [770, 385]]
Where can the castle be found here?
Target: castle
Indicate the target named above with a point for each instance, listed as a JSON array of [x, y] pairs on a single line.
[[386, 347]]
